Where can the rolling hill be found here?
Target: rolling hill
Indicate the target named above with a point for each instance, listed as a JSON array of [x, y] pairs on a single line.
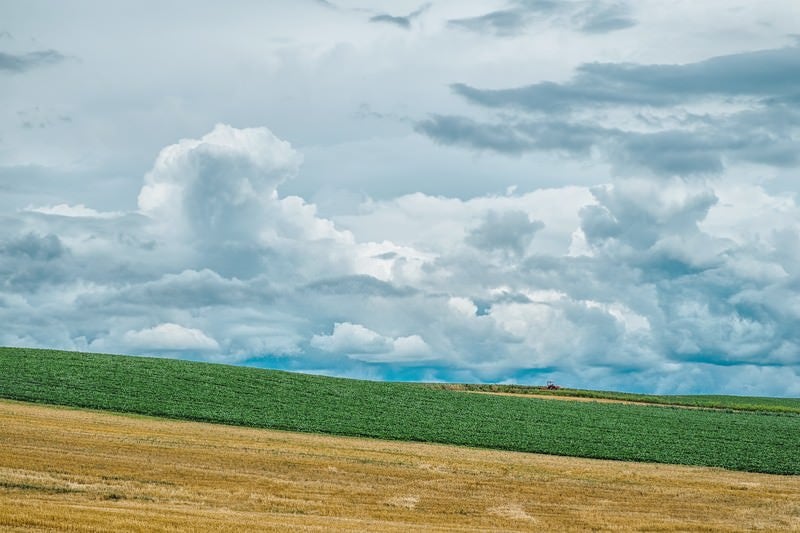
[[757, 441]]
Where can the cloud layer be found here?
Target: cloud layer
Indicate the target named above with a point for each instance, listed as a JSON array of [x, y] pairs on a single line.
[[638, 116], [599, 192], [635, 284]]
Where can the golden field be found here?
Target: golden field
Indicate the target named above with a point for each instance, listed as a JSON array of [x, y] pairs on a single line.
[[70, 469]]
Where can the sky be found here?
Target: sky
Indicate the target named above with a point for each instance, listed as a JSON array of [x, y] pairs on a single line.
[[602, 193]]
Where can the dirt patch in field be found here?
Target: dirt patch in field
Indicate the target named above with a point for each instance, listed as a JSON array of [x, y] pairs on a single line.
[[558, 397], [584, 399], [513, 511], [409, 502]]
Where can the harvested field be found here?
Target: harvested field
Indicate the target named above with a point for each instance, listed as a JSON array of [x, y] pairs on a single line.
[[105, 471]]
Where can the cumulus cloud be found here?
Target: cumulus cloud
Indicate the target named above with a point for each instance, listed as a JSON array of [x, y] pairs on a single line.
[[363, 344], [670, 285], [217, 185], [352, 338], [510, 230], [168, 337]]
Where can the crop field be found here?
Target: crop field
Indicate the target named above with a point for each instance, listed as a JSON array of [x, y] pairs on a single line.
[[738, 403], [88, 470], [738, 440]]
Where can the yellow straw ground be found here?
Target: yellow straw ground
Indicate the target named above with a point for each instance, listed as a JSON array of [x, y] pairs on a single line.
[[84, 470]]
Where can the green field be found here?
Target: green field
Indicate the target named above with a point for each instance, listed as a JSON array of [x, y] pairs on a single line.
[[739, 403], [740, 440]]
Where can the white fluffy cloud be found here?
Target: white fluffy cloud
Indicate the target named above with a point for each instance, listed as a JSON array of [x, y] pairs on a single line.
[[168, 337], [363, 344], [352, 339], [217, 187]]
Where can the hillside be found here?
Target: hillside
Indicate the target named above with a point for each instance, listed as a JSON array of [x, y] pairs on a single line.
[[739, 440]]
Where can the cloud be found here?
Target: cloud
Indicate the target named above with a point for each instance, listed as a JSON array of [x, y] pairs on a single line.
[[363, 344], [401, 22], [761, 74], [505, 22], [214, 187], [36, 247], [604, 18], [360, 284], [703, 148], [168, 337], [78, 210], [219, 192], [635, 284], [512, 231], [353, 339], [32, 261], [18, 63], [514, 137], [569, 118], [592, 17]]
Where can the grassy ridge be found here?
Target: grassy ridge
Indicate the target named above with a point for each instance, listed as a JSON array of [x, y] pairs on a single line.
[[738, 403], [756, 442]]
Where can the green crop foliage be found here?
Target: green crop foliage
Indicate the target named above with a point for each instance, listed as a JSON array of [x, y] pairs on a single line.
[[739, 403], [740, 440]]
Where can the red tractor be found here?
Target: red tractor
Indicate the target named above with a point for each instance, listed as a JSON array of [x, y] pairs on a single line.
[[552, 386]]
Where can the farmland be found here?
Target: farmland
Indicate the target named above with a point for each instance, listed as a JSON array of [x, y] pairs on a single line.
[[111, 472], [737, 403], [738, 440]]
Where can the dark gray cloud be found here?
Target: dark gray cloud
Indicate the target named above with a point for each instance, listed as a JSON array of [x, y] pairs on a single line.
[[193, 289], [510, 231], [517, 137], [40, 248], [687, 144], [24, 62], [636, 220], [767, 74], [358, 285], [592, 16], [503, 22], [32, 261], [464, 131], [400, 21], [701, 149], [604, 18]]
